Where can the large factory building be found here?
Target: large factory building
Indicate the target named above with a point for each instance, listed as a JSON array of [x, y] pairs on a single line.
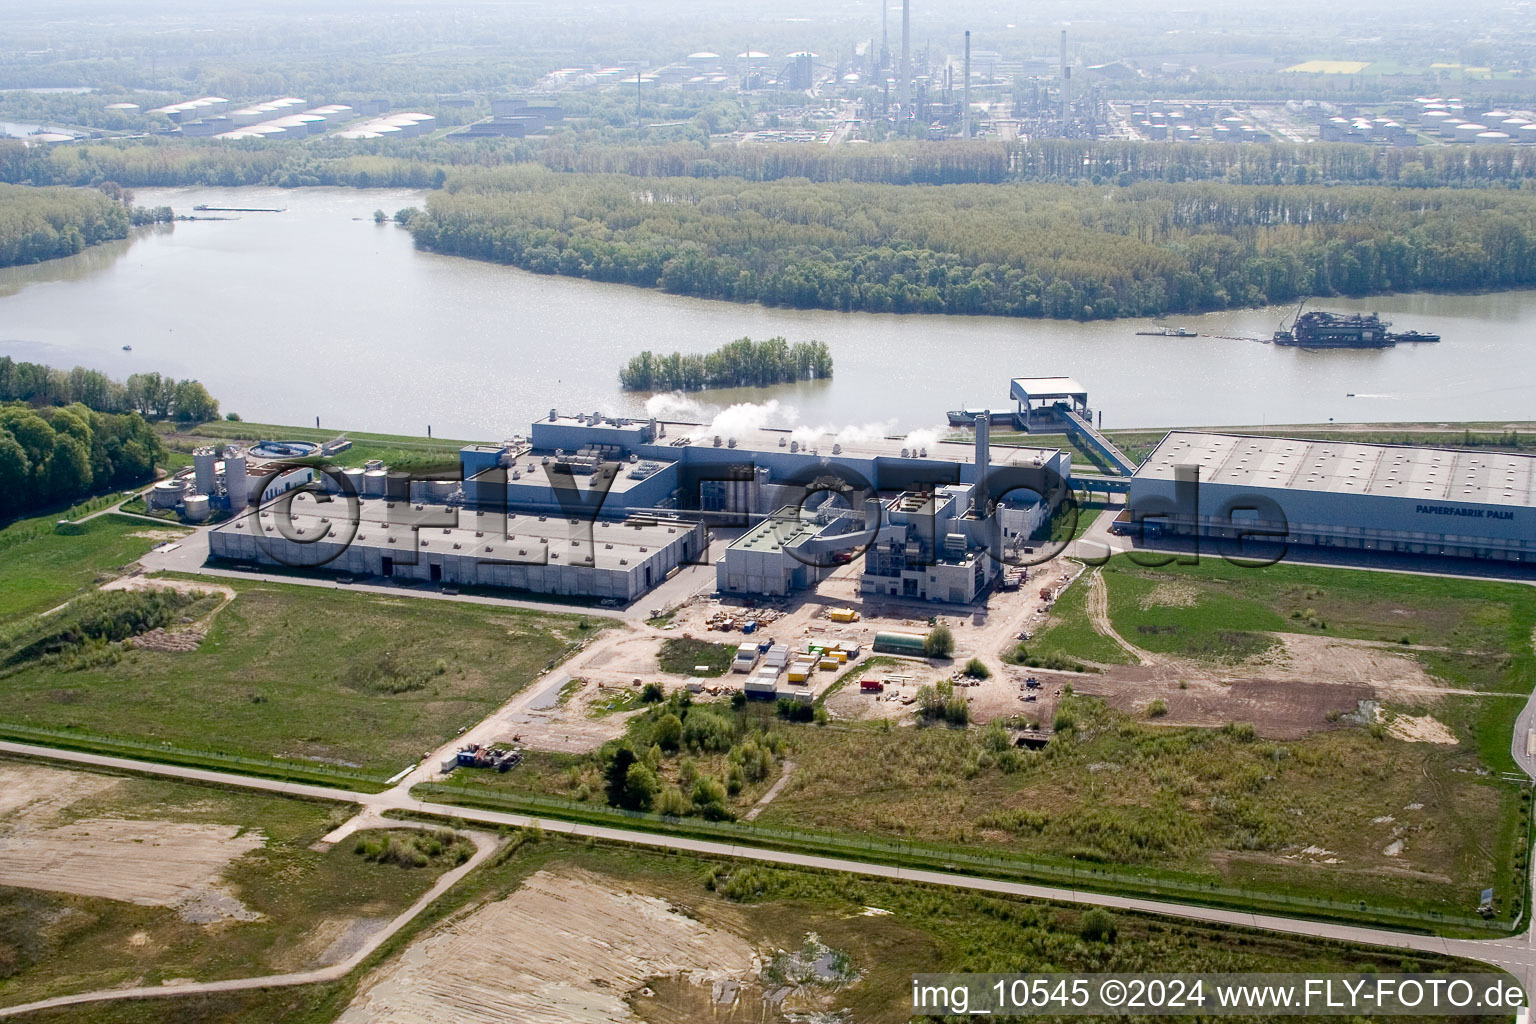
[[1329, 494], [609, 508]]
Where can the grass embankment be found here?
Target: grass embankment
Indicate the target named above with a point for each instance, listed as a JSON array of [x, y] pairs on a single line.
[[41, 567], [1068, 636], [398, 450], [915, 929], [52, 943], [334, 679]]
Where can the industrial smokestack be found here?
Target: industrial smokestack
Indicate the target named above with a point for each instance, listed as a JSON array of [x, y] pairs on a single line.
[[1066, 85], [885, 34], [965, 90], [905, 84], [983, 459]]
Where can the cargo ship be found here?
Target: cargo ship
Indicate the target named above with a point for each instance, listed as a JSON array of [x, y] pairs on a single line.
[[1345, 330]]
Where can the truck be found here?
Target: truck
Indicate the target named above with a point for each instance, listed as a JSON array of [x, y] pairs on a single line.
[[871, 685]]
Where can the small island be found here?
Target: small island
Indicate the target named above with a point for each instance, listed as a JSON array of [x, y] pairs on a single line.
[[739, 364]]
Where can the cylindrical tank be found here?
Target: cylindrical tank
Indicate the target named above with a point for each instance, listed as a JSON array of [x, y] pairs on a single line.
[[195, 507], [1492, 138], [165, 494], [374, 483], [1469, 131], [236, 481], [354, 477], [1527, 133], [205, 463]]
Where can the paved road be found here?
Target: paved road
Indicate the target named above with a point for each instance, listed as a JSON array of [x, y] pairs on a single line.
[[1517, 954]]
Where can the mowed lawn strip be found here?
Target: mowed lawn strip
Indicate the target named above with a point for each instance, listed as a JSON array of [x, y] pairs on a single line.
[[347, 679]]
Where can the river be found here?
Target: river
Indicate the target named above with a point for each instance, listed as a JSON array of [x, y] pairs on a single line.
[[319, 312]]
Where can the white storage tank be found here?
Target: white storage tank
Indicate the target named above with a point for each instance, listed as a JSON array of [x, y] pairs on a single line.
[[165, 494], [374, 483], [1527, 133], [205, 470], [236, 481], [1469, 131], [195, 507], [1492, 138]]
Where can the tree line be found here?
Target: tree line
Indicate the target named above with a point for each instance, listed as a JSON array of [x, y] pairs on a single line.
[[741, 363], [427, 163], [149, 394], [45, 223], [1032, 250]]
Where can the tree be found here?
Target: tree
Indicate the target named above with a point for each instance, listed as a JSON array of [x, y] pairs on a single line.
[[640, 787], [193, 403], [668, 732], [940, 642]]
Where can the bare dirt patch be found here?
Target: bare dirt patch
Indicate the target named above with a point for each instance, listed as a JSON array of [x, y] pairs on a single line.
[[1420, 729], [565, 948], [30, 794], [1277, 709], [1330, 659], [151, 863], [1178, 594], [165, 535]]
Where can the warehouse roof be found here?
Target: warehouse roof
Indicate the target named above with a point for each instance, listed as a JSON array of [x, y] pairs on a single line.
[[428, 529], [1048, 387], [853, 444], [1381, 470]]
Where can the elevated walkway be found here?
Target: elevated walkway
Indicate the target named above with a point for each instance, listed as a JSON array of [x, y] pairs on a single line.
[[1081, 430]]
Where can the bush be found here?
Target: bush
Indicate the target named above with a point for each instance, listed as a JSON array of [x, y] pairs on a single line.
[[652, 694], [641, 786], [792, 710], [975, 669], [940, 642], [1157, 709], [1098, 925]]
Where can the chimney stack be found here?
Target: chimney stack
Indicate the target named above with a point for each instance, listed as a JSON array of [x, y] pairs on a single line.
[[1066, 85], [983, 460], [904, 86], [965, 90]]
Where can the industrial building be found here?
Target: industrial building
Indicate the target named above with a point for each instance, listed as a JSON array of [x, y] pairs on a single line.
[[617, 560], [1336, 495], [807, 501]]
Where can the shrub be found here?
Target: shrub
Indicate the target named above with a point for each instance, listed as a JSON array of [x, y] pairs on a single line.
[[641, 786], [940, 642], [1157, 709], [652, 693], [975, 669], [1098, 925], [792, 710]]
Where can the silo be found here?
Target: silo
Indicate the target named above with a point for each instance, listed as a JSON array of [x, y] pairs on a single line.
[[205, 470], [1469, 131], [374, 483], [354, 478], [195, 507], [236, 482]]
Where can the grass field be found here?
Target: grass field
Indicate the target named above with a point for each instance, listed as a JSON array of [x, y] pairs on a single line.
[[915, 929], [1069, 634], [329, 677], [40, 568], [55, 942], [689, 657], [397, 450], [1199, 806]]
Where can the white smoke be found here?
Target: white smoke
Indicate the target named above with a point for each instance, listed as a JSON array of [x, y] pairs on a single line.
[[736, 420], [851, 433], [920, 439], [674, 405]]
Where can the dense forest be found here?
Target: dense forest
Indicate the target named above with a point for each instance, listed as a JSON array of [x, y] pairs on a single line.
[[1016, 250], [45, 223], [66, 434], [59, 454], [741, 363]]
